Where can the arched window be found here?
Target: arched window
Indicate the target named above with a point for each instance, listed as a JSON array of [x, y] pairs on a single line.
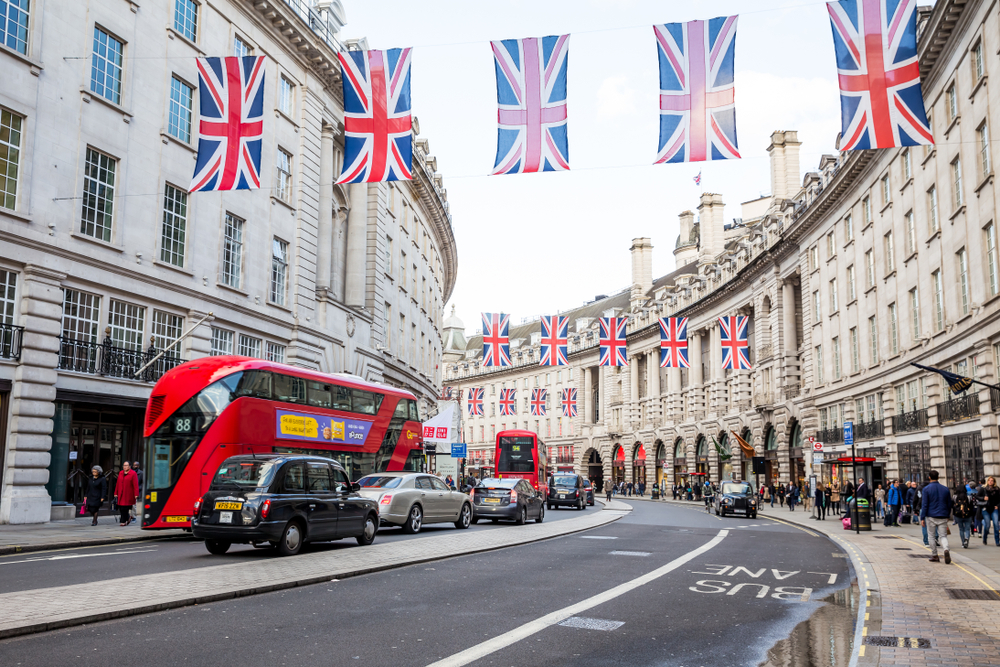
[[772, 439], [796, 436], [724, 442], [679, 449], [702, 448]]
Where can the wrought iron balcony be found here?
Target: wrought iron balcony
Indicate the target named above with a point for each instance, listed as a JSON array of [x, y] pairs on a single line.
[[868, 430], [830, 435], [10, 341], [914, 420], [563, 459], [957, 409], [111, 361]]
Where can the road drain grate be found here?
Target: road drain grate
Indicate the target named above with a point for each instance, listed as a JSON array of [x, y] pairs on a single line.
[[631, 553], [924, 556], [973, 594], [902, 548], [898, 642], [885, 537], [591, 623]]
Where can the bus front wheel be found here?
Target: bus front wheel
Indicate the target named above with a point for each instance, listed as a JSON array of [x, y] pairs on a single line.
[[217, 547]]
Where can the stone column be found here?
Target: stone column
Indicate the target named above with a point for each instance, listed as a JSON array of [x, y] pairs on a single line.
[[357, 243], [716, 374], [602, 413], [675, 402], [790, 347], [588, 396], [324, 233], [653, 374], [29, 441], [697, 377], [633, 398]]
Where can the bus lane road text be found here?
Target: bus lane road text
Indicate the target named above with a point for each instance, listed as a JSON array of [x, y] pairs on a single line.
[[757, 587]]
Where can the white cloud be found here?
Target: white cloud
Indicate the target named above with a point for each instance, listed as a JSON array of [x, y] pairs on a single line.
[[615, 98]]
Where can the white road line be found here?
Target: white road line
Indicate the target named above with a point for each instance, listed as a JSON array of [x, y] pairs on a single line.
[[482, 650], [68, 556]]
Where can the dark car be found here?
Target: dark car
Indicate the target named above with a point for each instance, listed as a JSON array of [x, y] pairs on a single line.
[[590, 492], [509, 498], [567, 490], [284, 501], [736, 498]]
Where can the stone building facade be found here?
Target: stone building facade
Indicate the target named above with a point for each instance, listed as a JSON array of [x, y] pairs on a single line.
[[849, 273], [105, 257]]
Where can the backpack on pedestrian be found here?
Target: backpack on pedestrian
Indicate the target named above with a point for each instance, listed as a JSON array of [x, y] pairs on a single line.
[[963, 508]]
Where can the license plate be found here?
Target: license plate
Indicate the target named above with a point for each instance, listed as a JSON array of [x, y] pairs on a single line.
[[228, 506], [176, 519], [562, 495], [491, 500], [225, 517], [740, 511]]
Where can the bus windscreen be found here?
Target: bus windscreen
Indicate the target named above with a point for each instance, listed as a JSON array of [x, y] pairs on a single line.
[[516, 455]]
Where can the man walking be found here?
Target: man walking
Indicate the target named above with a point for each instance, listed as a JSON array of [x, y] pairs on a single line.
[[935, 511], [894, 498], [610, 488]]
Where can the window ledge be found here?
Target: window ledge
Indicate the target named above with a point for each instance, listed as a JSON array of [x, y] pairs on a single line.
[[933, 236], [35, 66], [278, 113], [831, 258], [88, 96], [849, 243], [909, 257], [870, 289], [236, 290], [987, 180], [951, 126], [959, 211], [833, 314], [173, 267], [169, 138], [867, 226], [852, 302], [930, 156], [885, 208], [891, 274], [279, 200], [99, 242], [285, 309], [908, 182], [173, 34], [979, 84], [11, 213]]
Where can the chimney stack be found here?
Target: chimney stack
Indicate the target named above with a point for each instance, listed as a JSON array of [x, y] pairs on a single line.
[[711, 211], [784, 151], [684, 253], [642, 268]]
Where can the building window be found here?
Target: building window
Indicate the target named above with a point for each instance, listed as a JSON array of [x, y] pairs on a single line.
[[816, 309], [222, 342], [991, 257], [963, 280], [387, 325], [98, 195], [952, 103], [977, 61], [14, 25], [855, 350], [179, 117], [866, 205], [893, 330], [835, 343], [106, 66], [833, 296], [831, 245], [402, 269], [938, 301], [886, 192], [174, 226], [276, 353], [388, 255], [873, 336], [852, 293], [286, 96], [241, 48], [849, 228], [10, 155], [402, 341], [126, 321], [907, 171], [249, 346], [956, 181], [911, 234], [915, 313], [932, 210], [870, 268], [819, 364], [232, 252], [167, 328], [186, 19], [983, 135], [813, 258], [81, 316], [8, 292], [283, 189], [890, 261], [279, 271]]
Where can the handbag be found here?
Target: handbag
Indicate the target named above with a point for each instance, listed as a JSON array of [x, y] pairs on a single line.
[[83, 508], [114, 504]]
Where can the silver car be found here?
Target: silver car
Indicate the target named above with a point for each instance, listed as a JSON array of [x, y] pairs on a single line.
[[411, 499]]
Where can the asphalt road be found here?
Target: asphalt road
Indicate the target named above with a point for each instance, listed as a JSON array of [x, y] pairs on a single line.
[[685, 588], [63, 567]]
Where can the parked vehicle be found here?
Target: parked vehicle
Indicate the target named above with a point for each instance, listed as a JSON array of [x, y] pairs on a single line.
[[736, 498], [590, 491], [567, 490], [413, 500], [515, 499], [282, 500]]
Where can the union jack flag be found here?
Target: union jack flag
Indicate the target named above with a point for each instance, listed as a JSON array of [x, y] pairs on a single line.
[[508, 405], [674, 342], [377, 121], [735, 346], [613, 344], [881, 102], [232, 123], [697, 90], [538, 400], [531, 95], [569, 402], [496, 342], [555, 341], [476, 395]]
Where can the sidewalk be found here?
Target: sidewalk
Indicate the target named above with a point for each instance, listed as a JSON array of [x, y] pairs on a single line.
[[63, 606], [73, 534]]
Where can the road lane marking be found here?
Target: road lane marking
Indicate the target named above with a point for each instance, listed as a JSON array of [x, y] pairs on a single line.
[[484, 649], [641, 554], [68, 556], [597, 537]]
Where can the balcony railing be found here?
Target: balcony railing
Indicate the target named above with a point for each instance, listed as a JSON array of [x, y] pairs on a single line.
[[868, 430], [914, 420], [957, 409], [323, 28], [10, 341], [563, 459], [830, 435], [111, 361]]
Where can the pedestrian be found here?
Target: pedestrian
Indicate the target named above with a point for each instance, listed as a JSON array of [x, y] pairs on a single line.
[[766, 496], [97, 492], [793, 496], [773, 492], [642, 489], [911, 497], [973, 490], [450, 482], [935, 511], [126, 492], [894, 498], [610, 488], [820, 501], [835, 498], [964, 510], [991, 511], [879, 502], [781, 494]]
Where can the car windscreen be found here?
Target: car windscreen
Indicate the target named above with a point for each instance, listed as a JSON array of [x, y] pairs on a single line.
[[497, 483], [243, 474], [379, 482], [564, 480], [738, 489], [516, 454]]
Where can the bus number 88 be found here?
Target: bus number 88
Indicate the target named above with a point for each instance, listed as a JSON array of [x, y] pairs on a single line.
[[182, 425]]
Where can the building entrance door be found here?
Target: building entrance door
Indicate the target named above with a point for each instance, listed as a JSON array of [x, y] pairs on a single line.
[[964, 458]]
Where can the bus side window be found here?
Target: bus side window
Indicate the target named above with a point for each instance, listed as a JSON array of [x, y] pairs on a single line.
[[293, 482], [320, 394], [363, 402], [255, 383], [342, 398], [289, 389], [414, 413], [402, 410]]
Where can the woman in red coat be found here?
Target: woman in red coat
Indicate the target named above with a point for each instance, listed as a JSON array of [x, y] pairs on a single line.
[[126, 492]]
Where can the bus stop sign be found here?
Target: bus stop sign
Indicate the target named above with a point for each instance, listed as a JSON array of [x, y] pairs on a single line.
[[848, 433], [458, 450]]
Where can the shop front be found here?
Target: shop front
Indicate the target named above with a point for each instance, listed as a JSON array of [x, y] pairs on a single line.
[[771, 466], [639, 464], [618, 467], [661, 464], [881, 458], [963, 458], [796, 458], [680, 471], [595, 470], [725, 467]]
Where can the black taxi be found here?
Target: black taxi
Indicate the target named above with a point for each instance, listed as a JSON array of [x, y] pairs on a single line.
[[736, 498], [284, 501]]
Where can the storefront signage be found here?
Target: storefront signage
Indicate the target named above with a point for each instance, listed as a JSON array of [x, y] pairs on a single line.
[[817, 446], [319, 428]]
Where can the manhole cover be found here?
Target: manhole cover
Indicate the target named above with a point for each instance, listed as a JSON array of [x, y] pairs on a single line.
[[898, 642], [630, 553], [973, 594], [591, 623], [902, 548]]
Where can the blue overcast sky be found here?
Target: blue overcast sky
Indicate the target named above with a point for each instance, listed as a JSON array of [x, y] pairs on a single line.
[[533, 244]]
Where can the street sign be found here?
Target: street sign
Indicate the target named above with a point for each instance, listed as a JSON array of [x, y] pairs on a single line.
[[849, 433], [817, 446], [817, 458], [458, 450]]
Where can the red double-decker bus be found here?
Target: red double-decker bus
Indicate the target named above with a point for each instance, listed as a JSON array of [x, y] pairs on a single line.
[[522, 455], [204, 411]]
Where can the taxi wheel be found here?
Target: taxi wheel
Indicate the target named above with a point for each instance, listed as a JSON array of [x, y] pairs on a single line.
[[541, 514], [217, 547], [291, 539], [414, 520], [464, 517], [371, 527], [522, 516]]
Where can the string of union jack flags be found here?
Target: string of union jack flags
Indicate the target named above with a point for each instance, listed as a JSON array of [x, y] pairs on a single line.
[[875, 44]]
